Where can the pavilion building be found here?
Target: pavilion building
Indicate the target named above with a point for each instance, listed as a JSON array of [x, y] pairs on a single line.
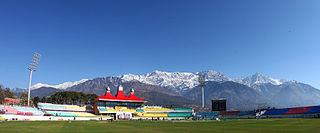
[[132, 107], [118, 106]]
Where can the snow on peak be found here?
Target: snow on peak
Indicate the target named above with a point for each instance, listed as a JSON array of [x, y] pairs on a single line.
[[62, 86], [180, 80], [259, 79], [211, 75]]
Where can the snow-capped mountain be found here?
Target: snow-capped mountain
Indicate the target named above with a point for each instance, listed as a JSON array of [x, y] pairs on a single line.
[[257, 79], [180, 80], [62, 86], [165, 88], [211, 75]]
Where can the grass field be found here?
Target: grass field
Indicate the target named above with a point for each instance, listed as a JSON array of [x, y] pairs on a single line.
[[234, 126]]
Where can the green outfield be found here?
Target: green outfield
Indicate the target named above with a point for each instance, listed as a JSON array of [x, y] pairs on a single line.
[[234, 126]]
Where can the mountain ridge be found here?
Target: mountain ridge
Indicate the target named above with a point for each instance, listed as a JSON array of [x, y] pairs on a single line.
[[61, 86], [258, 78], [182, 81], [167, 88]]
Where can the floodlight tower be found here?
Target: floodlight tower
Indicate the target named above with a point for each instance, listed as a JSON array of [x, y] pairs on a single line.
[[33, 67], [202, 84]]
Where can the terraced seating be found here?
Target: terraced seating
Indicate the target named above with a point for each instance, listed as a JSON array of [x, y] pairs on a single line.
[[129, 110], [112, 110], [288, 111], [74, 107], [207, 114], [103, 109], [241, 113], [63, 114], [276, 111], [2, 111], [229, 113], [314, 109], [30, 111], [179, 115], [20, 113], [17, 110], [139, 110], [183, 109], [154, 115], [46, 105], [9, 109], [83, 114], [299, 110], [117, 110], [156, 109], [57, 107]]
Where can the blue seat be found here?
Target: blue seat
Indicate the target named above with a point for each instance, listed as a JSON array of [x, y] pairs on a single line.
[[314, 109], [276, 111], [207, 114], [247, 113]]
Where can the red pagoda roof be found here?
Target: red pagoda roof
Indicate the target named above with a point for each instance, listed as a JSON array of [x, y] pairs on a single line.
[[120, 96]]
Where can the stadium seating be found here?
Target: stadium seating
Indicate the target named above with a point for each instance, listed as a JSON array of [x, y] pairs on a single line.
[[276, 112], [17, 110], [67, 110], [139, 110], [299, 110], [63, 114], [207, 114], [102, 109], [112, 110], [156, 109], [83, 114], [179, 114], [74, 107], [183, 109], [314, 109], [57, 107], [2, 111], [241, 113], [229, 113], [150, 111], [54, 106], [155, 115], [9, 109], [289, 111], [30, 111]]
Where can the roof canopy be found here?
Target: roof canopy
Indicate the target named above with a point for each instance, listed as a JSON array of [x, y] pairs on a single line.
[[120, 97]]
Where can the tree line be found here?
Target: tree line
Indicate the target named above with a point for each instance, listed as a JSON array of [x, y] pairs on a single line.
[[67, 97]]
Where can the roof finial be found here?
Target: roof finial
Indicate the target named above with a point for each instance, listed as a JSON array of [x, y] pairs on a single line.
[[120, 88], [132, 91], [108, 89]]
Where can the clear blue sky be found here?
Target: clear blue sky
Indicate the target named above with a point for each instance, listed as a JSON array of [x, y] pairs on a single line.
[[99, 38]]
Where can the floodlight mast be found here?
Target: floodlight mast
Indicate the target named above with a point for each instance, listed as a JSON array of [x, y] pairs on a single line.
[[33, 67], [202, 84]]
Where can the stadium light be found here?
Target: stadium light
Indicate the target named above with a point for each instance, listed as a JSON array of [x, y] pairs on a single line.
[[33, 67], [202, 84]]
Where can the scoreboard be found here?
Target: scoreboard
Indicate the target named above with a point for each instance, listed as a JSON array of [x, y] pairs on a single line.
[[219, 105]]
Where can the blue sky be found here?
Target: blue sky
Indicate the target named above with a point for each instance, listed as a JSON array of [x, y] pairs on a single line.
[[99, 38]]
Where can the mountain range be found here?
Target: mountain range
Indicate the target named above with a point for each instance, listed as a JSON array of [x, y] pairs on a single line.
[[180, 89]]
